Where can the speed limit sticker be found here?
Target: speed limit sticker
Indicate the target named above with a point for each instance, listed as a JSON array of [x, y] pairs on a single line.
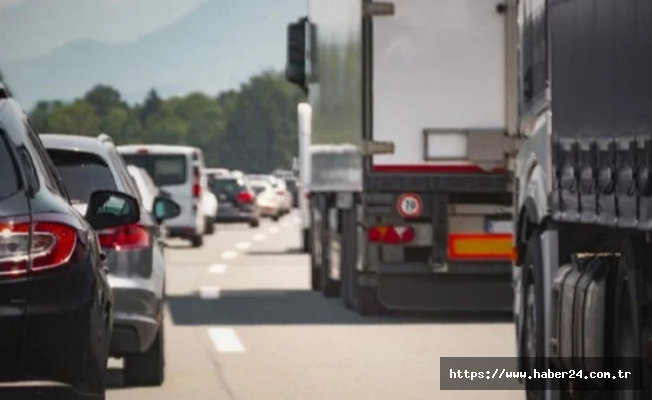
[[409, 205]]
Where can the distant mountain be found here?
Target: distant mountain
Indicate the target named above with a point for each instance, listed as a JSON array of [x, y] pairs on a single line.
[[215, 47]]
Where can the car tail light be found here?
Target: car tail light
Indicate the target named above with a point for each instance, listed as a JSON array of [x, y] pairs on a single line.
[[196, 183], [128, 237], [388, 234], [245, 197], [280, 192], [53, 243], [142, 151]]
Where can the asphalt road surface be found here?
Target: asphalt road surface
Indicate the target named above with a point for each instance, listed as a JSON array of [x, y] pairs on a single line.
[[242, 324]]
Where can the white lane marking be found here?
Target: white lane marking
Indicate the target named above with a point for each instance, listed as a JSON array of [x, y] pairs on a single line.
[[286, 224], [273, 230], [229, 254], [226, 340], [243, 245], [259, 237], [209, 292], [297, 220], [217, 269]]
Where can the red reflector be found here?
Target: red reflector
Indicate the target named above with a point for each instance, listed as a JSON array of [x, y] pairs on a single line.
[[196, 190], [391, 234], [52, 245], [127, 237], [142, 151]]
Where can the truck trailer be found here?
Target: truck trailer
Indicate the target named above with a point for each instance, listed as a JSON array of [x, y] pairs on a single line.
[[583, 198], [414, 116]]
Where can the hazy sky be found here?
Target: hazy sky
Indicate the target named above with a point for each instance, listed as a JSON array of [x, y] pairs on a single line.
[[31, 28]]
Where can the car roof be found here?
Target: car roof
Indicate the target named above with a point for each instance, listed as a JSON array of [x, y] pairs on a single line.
[[88, 144], [158, 148]]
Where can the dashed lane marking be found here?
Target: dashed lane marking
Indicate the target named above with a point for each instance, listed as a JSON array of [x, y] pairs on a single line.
[[259, 237], [229, 254], [243, 245], [217, 269], [226, 340], [209, 292], [273, 230]]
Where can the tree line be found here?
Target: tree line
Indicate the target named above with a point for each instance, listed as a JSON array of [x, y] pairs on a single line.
[[253, 129]]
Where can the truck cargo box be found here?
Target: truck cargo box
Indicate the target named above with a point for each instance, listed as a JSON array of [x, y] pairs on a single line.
[[600, 56]]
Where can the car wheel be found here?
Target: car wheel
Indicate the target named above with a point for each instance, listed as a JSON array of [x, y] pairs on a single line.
[[197, 241], [209, 226], [147, 369], [254, 223], [276, 217]]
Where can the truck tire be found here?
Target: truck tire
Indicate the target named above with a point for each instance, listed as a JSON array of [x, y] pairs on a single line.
[[533, 337], [305, 241], [147, 369], [625, 338]]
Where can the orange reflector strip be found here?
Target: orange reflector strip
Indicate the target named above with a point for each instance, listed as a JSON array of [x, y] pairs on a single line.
[[480, 246]]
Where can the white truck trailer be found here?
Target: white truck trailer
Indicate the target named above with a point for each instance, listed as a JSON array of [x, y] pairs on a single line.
[[413, 109]]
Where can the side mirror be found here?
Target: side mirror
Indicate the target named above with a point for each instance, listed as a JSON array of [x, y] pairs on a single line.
[[109, 209], [165, 208], [295, 70]]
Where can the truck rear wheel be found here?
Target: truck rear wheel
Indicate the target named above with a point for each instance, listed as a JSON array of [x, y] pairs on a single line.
[[533, 336], [626, 345]]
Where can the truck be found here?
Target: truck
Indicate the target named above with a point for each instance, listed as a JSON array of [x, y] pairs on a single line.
[[414, 127], [582, 198]]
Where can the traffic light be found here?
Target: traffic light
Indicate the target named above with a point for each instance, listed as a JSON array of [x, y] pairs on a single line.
[[295, 70]]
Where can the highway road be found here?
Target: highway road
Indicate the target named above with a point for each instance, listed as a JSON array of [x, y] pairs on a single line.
[[242, 324]]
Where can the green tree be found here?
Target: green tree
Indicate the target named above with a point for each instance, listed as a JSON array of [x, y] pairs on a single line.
[[78, 118], [103, 98], [151, 106]]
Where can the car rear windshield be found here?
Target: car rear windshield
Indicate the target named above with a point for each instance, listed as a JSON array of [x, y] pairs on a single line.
[[258, 188], [165, 169], [82, 173], [228, 186], [8, 178]]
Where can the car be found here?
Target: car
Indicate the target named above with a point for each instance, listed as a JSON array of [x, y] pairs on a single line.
[[267, 199], [236, 197], [56, 305], [282, 192], [135, 252], [178, 171]]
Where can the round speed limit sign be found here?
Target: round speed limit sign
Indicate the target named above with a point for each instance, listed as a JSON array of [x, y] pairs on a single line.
[[409, 205]]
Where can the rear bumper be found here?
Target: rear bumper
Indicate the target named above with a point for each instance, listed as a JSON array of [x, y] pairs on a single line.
[[479, 287], [42, 390], [136, 320], [235, 216]]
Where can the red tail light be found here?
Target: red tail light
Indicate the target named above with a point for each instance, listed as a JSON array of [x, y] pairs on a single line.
[[280, 192], [128, 237], [390, 234], [196, 182], [53, 243], [142, 151], [245, 197]]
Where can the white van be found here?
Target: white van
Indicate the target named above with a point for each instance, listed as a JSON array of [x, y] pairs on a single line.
[[176, 170]]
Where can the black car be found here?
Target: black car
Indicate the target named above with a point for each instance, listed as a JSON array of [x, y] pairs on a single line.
[[56, 306], [236, 199], [134, 252]]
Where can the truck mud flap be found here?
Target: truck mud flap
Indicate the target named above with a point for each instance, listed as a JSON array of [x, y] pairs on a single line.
[[446, 293]]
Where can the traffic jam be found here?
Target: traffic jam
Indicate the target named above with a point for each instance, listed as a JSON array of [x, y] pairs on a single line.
[[462, 211]]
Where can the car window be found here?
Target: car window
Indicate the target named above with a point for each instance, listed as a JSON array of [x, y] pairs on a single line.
[[228, 186], [82, 173], [260, 187], [165, 169], [9, 181]]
